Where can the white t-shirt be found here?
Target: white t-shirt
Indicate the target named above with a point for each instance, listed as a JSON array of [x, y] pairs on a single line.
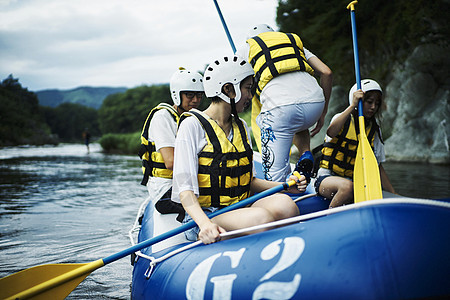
[[190, 141], [288, 88], [162, 131]]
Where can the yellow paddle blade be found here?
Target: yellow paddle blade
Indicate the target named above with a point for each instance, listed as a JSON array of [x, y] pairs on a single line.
[[256, 109], [53, 281], [366, 175]]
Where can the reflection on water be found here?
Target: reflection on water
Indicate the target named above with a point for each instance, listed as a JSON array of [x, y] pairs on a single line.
[[419, 180], [62, 205]]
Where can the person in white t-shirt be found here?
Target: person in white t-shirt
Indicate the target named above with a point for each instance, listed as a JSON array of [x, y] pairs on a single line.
[[213, 165], [158, 138], [288, 96], [335, 176]]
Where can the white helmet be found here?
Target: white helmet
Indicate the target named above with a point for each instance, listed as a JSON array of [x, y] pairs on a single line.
[[229, 69], [366, 85], [260, 28], [184, 80]]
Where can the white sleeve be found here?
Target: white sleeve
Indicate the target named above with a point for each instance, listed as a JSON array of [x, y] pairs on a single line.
[[328, 138], [308, 54], [379, 149], [189, 142], [163, 129]]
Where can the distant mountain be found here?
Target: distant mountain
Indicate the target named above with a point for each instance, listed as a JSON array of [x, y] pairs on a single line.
[[87, 96]]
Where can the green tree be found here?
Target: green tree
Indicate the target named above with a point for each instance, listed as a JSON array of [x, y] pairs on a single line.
[[387, 32], [21, 119], [68, 121], [126, 112]]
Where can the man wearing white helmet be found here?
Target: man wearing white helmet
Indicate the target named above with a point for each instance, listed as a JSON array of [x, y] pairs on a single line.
[[213, 165], [335, 176], [158, 138], [288, 100]]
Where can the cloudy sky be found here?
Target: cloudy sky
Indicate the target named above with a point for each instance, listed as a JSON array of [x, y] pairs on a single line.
[[64, 44]]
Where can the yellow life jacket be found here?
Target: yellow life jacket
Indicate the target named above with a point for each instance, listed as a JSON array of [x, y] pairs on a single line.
[[339, 154], [272, 54], [152, 161], [225, 167]]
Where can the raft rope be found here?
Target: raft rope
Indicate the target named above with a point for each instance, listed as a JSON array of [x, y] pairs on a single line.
[[132, 234], [304, 197], [298, 219]]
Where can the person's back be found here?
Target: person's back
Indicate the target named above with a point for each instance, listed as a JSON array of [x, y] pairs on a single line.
[[288, 100]]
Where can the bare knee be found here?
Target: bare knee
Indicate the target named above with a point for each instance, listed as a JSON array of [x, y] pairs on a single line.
[[344, 194], [285, 208], [260, 216], [347, 191]]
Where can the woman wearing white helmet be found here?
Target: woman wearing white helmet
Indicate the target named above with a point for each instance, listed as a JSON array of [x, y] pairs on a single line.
[[213, 165], [334, 178], [158, 138]]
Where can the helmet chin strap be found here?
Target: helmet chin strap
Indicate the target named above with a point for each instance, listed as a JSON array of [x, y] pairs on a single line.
[[233, 109], [180, 108]]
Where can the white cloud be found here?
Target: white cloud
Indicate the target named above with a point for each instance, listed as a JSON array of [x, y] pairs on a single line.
[[65, 44]]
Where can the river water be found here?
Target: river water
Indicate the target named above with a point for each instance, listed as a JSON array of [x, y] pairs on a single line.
[[63, 205]]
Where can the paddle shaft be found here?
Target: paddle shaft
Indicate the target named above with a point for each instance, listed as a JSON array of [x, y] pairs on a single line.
[[355, 52], [225, 26], [192, 223], [64, 281], [365, 157], [358, 84]]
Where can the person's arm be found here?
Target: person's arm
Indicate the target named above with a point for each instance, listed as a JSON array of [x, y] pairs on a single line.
[[163, 130], [385, 182], [258, 185], [326, 82], [338, 122], [167, 154], [209, 231]]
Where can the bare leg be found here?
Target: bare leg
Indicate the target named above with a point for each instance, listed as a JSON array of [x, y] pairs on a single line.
[[302, 141], [269, 209], [339, 189]]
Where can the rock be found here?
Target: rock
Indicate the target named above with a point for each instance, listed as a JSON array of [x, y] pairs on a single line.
[[418, 106], [415, 124]]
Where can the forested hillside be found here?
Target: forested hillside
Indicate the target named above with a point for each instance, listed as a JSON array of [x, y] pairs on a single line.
[[24, 121], [388, 31], [21, 119], [404, 45], [85, 95]]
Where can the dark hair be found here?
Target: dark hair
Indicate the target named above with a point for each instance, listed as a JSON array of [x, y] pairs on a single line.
[[381, 106]]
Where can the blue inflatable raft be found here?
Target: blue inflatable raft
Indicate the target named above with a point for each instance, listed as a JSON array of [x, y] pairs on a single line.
[[395, 248]]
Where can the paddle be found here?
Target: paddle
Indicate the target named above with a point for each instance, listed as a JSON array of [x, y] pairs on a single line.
[[366, 175], [256, 105], [225, 26], [56, 281]]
